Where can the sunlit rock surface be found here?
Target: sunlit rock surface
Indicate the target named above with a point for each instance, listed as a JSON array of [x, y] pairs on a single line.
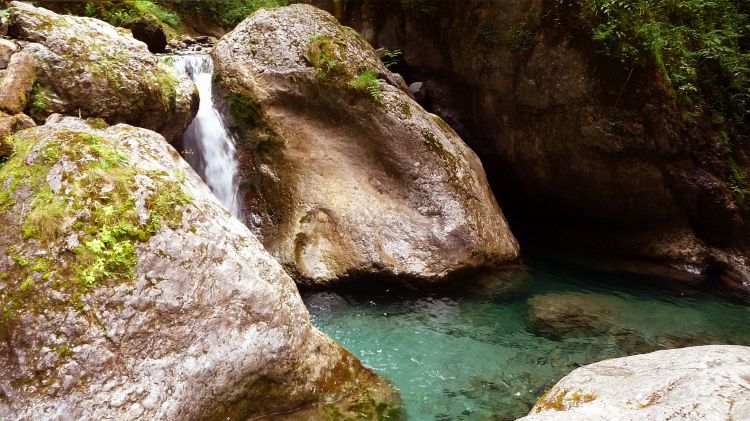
[[346, 176], [89, 68], [705, 382], [128, 292]]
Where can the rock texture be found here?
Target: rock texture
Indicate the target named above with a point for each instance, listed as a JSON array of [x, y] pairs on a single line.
[[583, 154], [706, 382], [16, 83], [345, 175], [89, 68], [128, 292]]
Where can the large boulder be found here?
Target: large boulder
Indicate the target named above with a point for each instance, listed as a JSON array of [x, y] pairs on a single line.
[[345, 175], [586, 154], [89, 68], [128, 292], [703, 382]]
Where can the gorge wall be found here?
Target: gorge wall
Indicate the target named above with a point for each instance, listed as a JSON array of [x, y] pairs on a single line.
[[586, 154]]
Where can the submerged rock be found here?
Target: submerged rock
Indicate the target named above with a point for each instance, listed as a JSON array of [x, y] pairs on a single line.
[[705, 382], [345, 175], [89, 68], [561, 315], [128, 292]]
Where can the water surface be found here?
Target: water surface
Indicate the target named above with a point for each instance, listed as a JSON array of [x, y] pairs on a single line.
[[472, 354]]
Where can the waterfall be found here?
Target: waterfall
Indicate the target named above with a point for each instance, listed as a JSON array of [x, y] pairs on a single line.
[[209, 147]]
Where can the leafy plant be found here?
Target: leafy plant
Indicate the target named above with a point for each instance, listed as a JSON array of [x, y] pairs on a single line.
[[390, 57], [368, 81], [699, 46]]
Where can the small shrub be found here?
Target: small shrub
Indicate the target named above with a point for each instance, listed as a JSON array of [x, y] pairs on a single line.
[[522, 37]]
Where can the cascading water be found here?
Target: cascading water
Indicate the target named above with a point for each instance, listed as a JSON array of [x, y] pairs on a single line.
[[210, 148]]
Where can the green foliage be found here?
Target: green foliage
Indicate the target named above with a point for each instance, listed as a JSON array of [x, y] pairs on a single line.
[[699, 46], [390, 58], [145, 7], [227, 13], [368, 81], [738, 183], [38, 100], [488, 34], [522, 37], [125, 13], [424, 7], [324, 53]]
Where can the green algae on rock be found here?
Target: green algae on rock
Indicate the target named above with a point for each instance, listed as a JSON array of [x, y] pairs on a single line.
[[349, 177], [126, 290]]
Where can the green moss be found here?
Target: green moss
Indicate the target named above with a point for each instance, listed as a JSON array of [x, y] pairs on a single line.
[[326, 54], [245, 111], [39, 101], [64, 350], [167, 82], [97, 123], [96, 207], [46, 219]]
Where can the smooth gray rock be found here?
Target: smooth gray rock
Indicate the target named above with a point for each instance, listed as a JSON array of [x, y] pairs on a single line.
[[698, 383]]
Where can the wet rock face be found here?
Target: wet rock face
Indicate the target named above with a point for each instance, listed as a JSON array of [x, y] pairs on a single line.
[[88, 67], [127, 291], [345, 175], [705, 382], [582, 153]]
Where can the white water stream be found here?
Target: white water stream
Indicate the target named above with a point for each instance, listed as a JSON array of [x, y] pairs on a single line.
[[209, 147]]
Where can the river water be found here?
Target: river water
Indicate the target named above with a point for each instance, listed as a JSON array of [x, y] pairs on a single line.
[[208, 146], [472, 353]]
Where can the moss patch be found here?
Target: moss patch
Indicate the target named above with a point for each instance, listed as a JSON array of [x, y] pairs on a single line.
[[84, 234], [326, 56]]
